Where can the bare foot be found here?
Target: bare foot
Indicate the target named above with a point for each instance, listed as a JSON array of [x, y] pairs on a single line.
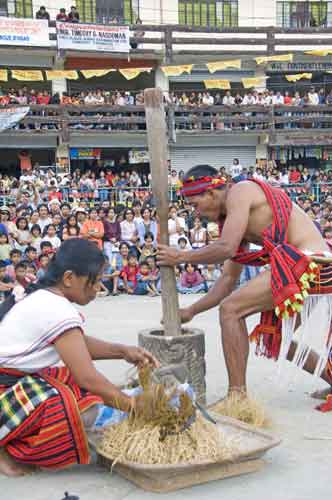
[[8, 466], [322, 394]]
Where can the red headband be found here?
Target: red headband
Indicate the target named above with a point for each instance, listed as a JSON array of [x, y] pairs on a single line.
[[194, 186]]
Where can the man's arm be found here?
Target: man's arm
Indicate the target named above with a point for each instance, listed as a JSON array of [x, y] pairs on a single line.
[[223, 287], [238, 209]]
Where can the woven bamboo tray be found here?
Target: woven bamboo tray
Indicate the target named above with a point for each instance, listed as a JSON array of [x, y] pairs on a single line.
[[252, 445]]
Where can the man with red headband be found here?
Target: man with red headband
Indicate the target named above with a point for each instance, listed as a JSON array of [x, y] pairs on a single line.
[[253, 212]]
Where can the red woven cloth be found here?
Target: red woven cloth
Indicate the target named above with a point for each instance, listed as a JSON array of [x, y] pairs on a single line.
[[287, 262], [52, 436]]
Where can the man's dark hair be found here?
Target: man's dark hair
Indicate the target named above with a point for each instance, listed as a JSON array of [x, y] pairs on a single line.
[[200, 171]]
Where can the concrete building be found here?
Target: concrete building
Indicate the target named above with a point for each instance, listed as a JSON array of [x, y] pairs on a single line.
[[186, 32]]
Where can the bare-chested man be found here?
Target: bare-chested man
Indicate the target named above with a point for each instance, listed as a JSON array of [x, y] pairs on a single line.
[[246, 213]]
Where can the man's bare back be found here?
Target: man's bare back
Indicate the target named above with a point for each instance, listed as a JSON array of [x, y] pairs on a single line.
[[302, 232]]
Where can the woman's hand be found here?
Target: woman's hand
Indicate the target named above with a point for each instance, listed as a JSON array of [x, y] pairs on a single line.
[[168, 256], [139, 357]]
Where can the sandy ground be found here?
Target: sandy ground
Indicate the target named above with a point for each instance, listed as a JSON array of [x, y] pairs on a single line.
[[299, 469]]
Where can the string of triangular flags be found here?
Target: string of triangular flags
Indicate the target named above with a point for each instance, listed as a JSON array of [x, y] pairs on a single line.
[[169, 71]]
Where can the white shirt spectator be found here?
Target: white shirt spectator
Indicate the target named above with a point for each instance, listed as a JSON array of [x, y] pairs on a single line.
[[208, 100], [235, 169], [43, 223], [277, 99], [90, 99], [259, 176], [313, 98], [284, 179], [228, 100], [172, 230], [249, 100], [128, 231]]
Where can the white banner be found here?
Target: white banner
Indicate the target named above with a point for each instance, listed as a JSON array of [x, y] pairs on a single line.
[[93, 37], [24, 32], [11, 116]]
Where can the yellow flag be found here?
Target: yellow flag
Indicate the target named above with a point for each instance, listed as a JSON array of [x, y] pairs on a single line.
[[221, 65], [254, 82], [177, 70], [58, 75], [278, 58], [131, 73], [217, 84], [90, 73], [28, 76], [319, 52], [298, 76], [3, 75]]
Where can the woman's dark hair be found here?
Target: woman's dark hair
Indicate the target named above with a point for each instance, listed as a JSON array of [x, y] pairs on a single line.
[[148, 235], [80, 256], [34, 227], [189, 264], [144, 209], [123, 243], [19, 220]]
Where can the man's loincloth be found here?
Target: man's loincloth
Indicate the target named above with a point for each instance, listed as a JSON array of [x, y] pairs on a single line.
[[268, 333]]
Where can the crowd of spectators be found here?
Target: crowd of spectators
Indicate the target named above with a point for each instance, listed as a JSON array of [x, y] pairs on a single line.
[[311, 97], [192, 110], [72, 16], [41, 210]]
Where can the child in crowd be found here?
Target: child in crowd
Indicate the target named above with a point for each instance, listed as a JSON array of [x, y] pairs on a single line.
[[20, 274], [129, 274], [6, 284], [31, 256], [183, 243], [5, 248], [43, 262], [211, 273], [15, 257], [46, 248], [145, 283], [154, 271], [23, 236], [119, 261], [191, 280], [52, 237], [148, 248], [36, 238]]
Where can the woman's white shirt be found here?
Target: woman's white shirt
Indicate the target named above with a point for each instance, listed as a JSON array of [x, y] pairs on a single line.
[[30, 328]]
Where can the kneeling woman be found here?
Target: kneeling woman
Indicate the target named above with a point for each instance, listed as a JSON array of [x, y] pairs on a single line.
[[44, 409]]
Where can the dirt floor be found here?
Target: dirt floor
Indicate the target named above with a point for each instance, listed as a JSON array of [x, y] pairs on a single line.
[[299, 469]]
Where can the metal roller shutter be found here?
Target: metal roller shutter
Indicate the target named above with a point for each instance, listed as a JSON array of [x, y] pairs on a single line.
[[185, 158]]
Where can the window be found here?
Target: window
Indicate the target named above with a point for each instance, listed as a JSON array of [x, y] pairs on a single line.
[[103, 11], [218, 13], [304, 14]]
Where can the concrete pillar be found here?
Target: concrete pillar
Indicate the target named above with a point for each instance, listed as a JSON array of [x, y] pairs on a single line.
[[59, 86], [261, 148], [62, 158], [161, 80]]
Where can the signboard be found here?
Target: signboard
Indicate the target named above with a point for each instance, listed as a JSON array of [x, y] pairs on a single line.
[[85, 153], [24, 32], [299, 66], [138, 156], [300, 140], [93, 37], [11, 116]]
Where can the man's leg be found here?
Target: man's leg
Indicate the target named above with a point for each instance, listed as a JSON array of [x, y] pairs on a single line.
[[254, 297]]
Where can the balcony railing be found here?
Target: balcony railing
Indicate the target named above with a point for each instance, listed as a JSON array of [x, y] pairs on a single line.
[[218, 120]]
